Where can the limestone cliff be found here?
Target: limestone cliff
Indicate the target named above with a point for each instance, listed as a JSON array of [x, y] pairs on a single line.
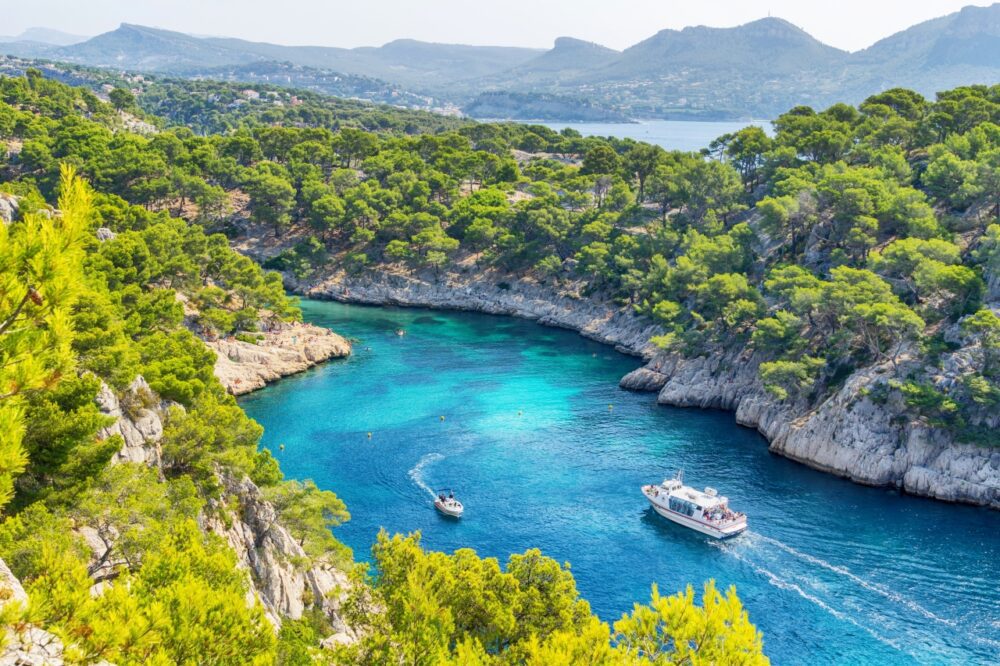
[[848, 433], [243, 367], [276, 564], [494, 293], [250, 524]]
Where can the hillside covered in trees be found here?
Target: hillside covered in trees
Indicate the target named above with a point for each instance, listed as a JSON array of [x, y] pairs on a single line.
[[854, 238], [121, 496]]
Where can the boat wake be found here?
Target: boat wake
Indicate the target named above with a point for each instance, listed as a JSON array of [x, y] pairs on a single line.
[[417, 473], [764, 556], [783, 584], [877, 588]]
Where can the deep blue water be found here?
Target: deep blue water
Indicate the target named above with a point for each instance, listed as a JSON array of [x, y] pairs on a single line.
[[686, 135], [830, 571]]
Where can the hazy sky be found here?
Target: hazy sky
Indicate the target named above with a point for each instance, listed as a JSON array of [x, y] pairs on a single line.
[[847, 24]]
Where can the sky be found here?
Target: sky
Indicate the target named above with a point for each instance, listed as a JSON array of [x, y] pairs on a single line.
[[846, 24]]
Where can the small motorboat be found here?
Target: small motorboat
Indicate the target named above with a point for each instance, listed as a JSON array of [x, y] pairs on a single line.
[[703, 511], [446, 503]]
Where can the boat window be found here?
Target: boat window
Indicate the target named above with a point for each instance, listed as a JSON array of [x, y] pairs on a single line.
[[682, 506]]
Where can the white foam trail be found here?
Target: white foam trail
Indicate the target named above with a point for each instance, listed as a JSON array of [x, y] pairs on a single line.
[[792, 587], [868, 585], [417, 473]]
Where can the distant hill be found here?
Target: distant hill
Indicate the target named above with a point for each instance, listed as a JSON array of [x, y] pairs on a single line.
[[958, 49], [405, 62], [503, 105], [46, 36], [755, 70], [151, 49], [771, 46], [568, 59]]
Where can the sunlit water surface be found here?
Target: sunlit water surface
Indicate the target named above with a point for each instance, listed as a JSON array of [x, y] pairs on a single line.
[[546, 451]]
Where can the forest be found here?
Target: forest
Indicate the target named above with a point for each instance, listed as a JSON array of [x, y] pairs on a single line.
[[849, 237], [113, 268]]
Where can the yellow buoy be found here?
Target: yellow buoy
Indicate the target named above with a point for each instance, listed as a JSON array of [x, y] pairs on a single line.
[[610, 407], [369, 435], [281, 446], [442, 418]]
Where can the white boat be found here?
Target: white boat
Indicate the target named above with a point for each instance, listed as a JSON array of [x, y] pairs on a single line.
[[704, 511], [448, 505]]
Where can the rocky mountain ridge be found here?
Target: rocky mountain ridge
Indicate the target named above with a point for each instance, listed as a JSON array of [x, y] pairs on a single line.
[[755, 70]]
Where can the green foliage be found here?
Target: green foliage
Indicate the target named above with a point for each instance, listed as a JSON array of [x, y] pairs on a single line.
[[61, 440], [40, 263], [789, 379], [675, 630], [185, 604], [212, 430], [462, 609], [309, 514]]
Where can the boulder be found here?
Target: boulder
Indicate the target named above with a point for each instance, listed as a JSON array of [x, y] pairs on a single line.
[[9, 208]]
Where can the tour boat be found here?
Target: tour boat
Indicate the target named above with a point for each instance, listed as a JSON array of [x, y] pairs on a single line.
[[448, 505], [704, 511]]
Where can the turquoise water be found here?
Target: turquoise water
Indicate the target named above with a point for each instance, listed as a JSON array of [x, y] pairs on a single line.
[[830, 571], [686, 135]]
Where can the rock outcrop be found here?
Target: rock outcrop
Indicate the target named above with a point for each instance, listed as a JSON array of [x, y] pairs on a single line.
[[264, 548], [243, 367], [138, 420], [274, 558], [25, 644], [9, 208], [848, 434]]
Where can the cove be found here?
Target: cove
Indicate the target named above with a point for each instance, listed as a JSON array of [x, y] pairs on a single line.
[[546, 451]]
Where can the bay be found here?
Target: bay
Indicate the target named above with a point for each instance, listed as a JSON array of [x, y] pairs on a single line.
[[546, 451]]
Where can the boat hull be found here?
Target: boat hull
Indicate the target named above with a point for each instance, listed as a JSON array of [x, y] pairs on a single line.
[[448, 511]]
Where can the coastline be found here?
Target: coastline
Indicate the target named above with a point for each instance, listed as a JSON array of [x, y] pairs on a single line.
[[848, 434]]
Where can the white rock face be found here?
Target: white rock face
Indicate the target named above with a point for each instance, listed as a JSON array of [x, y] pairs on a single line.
[[266, 549], [141, 429], [847, 434], [31, 646], [243, 367], [25, 645], [8, 208], [495, 294]]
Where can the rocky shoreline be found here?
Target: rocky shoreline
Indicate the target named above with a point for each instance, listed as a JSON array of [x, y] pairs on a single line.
[[849, 434], [243, 366]]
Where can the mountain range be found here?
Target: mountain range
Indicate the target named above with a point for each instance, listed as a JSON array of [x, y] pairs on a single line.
[[754, 70]]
